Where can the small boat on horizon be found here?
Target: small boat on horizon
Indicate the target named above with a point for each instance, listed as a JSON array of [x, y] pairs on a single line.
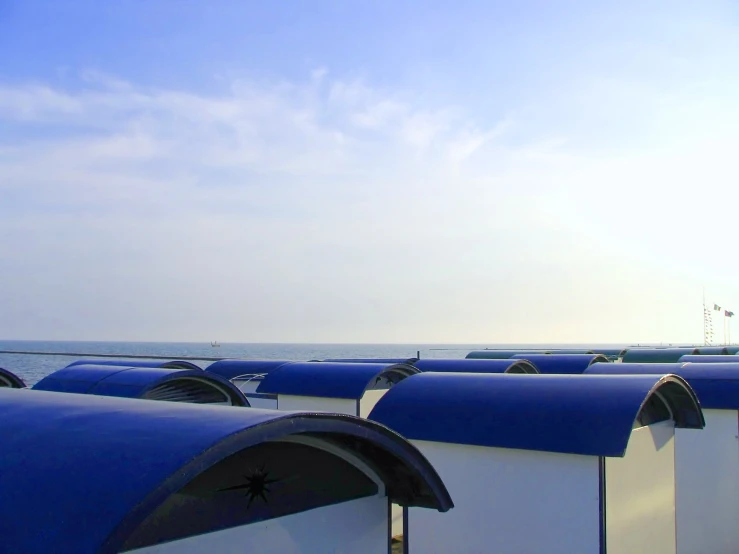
[[215, 344]]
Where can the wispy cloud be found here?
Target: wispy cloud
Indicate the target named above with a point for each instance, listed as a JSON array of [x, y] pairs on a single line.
[[330, 209]]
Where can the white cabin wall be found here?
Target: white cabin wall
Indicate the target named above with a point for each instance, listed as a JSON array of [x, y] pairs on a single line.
[[510, 502], [354, 527], [368, 401], [640, 493], [707, 483], [247, 386], [261, 401], [317, 404]]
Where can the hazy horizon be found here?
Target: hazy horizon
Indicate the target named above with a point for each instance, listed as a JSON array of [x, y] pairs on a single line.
[[344, 173]]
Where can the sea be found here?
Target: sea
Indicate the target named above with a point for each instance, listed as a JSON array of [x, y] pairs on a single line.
[[33, 367]]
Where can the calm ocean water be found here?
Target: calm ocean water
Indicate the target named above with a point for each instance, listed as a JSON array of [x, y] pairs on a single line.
[[34, 367]]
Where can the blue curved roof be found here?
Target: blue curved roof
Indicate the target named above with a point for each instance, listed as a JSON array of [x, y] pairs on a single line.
[[716, 385], [555, 413], [562, 363], [87, 471], [709, 359], [169, 364], [494, 354], [472, 365], [129, 382], [230, 369], [657, 355], [713, 350], [11, 380], [330, 379], [409, 361]]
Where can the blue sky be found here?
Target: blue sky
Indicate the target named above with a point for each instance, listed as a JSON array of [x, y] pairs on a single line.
[[366, 172]]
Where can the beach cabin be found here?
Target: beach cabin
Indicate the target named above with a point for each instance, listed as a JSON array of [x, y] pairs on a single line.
[[545, 464], [562, 363], [10, 380], [149, 383], [94, 474], [657, 355], [343, 388], [476, 366], [707, 461], [247, 375], [500, 354], [167, 364]]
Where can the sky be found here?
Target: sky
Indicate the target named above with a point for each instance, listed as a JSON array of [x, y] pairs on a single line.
[[377, 172]]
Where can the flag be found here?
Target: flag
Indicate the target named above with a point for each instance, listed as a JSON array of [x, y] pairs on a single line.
[[717, 307], [727, 313]]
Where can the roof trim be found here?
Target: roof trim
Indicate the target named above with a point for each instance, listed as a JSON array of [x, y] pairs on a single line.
[[11, 380], [330, 379], [572, 414]]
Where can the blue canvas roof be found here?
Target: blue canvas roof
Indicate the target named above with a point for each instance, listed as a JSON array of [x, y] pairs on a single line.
[[330, 379], [87, 470], [556, 413], [713, 350], [230, 369], [409, 361], [131, 382], [710, 358], [10, 379], [472, 365], [562, 363], [657, 355], [494, 354], [716, 385], [167, 364]]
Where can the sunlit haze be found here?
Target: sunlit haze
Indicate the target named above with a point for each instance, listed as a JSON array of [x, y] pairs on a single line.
[[332, 171]]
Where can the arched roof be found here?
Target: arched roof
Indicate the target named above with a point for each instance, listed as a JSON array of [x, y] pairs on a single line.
[[331, 379], [185, 385], [231, 369], [494, 354], [408, 361], [555, 413], [716, 385], [562, 363], [167, 364], [476, 366], [656, 355], [10, 380], [713, 350], [87, 471], [709, 359]]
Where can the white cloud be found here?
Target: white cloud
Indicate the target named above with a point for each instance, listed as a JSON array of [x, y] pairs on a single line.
[[330, 210]]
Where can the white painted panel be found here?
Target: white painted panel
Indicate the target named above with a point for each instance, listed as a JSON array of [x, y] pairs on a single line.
[[368, 401], [640, 493], [510, 502], [247, 386], [707, 483], [317, 404], [354, 527], [261, 402]]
